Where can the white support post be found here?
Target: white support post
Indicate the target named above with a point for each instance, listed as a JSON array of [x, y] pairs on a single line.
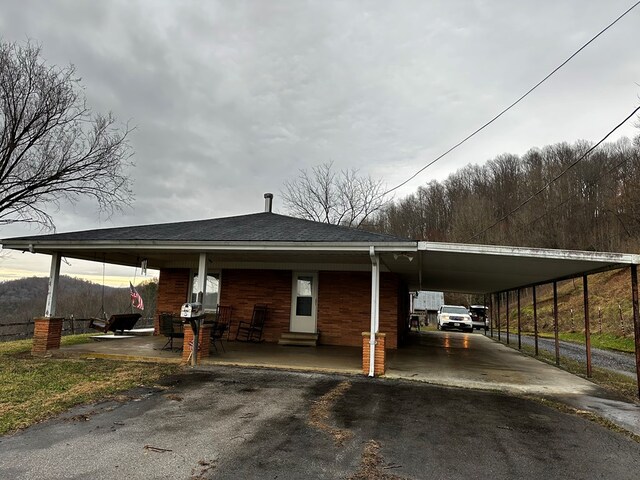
[[202, 277], [202, 291], [52, 293], [375, 307]]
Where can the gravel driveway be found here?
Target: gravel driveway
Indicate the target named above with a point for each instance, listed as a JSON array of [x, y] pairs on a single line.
[[620, 362]]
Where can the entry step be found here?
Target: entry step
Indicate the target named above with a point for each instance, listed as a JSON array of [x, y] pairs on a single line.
[[299, 339]]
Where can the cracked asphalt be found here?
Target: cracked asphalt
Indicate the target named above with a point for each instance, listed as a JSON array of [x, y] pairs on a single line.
[[248, 423]]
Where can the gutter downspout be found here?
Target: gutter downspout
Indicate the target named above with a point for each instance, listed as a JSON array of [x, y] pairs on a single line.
[[375, 302]]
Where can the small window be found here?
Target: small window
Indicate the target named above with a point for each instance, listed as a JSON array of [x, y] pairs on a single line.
[[304, 300], [210, 301]]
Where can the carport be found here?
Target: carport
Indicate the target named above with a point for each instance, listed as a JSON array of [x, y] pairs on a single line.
[[494, 271]]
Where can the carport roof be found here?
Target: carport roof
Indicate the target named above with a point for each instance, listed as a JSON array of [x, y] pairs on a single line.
[[490, 268]]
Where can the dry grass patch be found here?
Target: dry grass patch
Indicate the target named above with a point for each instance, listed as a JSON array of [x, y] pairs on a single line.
[[372, 465], [321, 413], [34, 389]]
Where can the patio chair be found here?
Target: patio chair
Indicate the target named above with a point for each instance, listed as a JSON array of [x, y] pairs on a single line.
[[252, 331], [121, 322], [218, 330], [224, 316], [169, 330]]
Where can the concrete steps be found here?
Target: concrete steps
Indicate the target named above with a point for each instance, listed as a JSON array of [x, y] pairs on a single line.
[[299, 339]]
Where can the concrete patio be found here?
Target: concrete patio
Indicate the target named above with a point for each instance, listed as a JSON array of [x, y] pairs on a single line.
[[443, 358]]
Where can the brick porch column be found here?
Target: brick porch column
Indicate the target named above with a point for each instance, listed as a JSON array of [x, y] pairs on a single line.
[[46, 335], [380, 357], [204, 342]]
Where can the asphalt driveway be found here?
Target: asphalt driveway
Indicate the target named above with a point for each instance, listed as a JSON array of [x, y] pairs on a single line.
[[243, 423]]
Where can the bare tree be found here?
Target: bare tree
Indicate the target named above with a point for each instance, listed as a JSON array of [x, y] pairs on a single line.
[[339, 198], [52, 148]]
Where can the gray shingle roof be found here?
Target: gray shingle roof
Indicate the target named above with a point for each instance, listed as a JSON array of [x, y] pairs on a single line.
[[257, 227]]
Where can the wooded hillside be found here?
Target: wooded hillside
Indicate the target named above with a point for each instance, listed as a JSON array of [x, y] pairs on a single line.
[[594, 206], [24, 299]]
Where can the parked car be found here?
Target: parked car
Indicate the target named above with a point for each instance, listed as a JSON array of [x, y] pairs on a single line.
[[479, 317], [454, 316]]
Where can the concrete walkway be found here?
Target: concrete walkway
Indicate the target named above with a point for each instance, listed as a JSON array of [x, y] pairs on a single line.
[[453, 359]]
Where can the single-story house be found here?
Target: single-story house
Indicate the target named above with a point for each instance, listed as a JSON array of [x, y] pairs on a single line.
[[331, 280]]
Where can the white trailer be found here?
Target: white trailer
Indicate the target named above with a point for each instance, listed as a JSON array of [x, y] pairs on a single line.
[[424, 301], [425, 305]]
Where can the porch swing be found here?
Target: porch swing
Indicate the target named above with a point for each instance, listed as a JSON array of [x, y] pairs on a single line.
[[116, 322]]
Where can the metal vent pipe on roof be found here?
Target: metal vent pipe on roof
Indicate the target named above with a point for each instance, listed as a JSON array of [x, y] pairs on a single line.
[[268, 202]]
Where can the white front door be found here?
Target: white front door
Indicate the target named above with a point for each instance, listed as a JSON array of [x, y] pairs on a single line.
[[304, 302]]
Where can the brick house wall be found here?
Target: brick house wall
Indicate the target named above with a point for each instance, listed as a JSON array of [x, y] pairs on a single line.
[[344, 307], [344, 302], [242, 289], [173, 289]]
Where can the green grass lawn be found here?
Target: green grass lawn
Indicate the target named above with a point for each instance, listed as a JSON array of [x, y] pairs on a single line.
[[33, 389]]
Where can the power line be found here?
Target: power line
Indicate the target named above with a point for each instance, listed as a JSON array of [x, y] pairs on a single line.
[[514, 103], [573, 164]]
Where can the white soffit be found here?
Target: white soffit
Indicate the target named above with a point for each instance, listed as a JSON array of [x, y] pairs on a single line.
[[488, 268]]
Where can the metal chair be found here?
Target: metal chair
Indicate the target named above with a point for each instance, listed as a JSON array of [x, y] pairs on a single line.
[[221, 325], [223, 314], [167, 328], [252, 331]]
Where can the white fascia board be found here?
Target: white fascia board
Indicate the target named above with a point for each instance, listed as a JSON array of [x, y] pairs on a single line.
[[550, 253], [214, 246]]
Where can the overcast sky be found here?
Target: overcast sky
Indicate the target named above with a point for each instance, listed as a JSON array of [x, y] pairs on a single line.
[[230, 98]]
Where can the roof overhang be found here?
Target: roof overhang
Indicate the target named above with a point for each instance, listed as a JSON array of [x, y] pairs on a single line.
[[184, 254], [422, 265]]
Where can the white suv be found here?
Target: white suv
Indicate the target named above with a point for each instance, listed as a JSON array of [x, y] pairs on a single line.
[[454, 316]]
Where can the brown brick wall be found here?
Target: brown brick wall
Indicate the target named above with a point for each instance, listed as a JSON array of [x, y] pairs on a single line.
[[242, 289], [344, 307], [173, 290], [403, 312], [344, 302]]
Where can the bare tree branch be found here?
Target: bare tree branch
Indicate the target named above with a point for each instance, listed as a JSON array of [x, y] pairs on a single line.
[[52, 147], [323, 195]]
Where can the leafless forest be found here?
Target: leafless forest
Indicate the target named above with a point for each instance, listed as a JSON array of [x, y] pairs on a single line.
[[595, 205]]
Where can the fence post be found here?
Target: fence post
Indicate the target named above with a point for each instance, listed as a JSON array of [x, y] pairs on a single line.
[[555, 321], [587, 329], [535, 320]]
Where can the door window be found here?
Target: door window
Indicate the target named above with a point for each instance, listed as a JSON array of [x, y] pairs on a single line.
[[304, 299]]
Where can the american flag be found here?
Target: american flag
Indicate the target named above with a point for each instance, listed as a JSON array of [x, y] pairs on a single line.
[[136, 299]]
